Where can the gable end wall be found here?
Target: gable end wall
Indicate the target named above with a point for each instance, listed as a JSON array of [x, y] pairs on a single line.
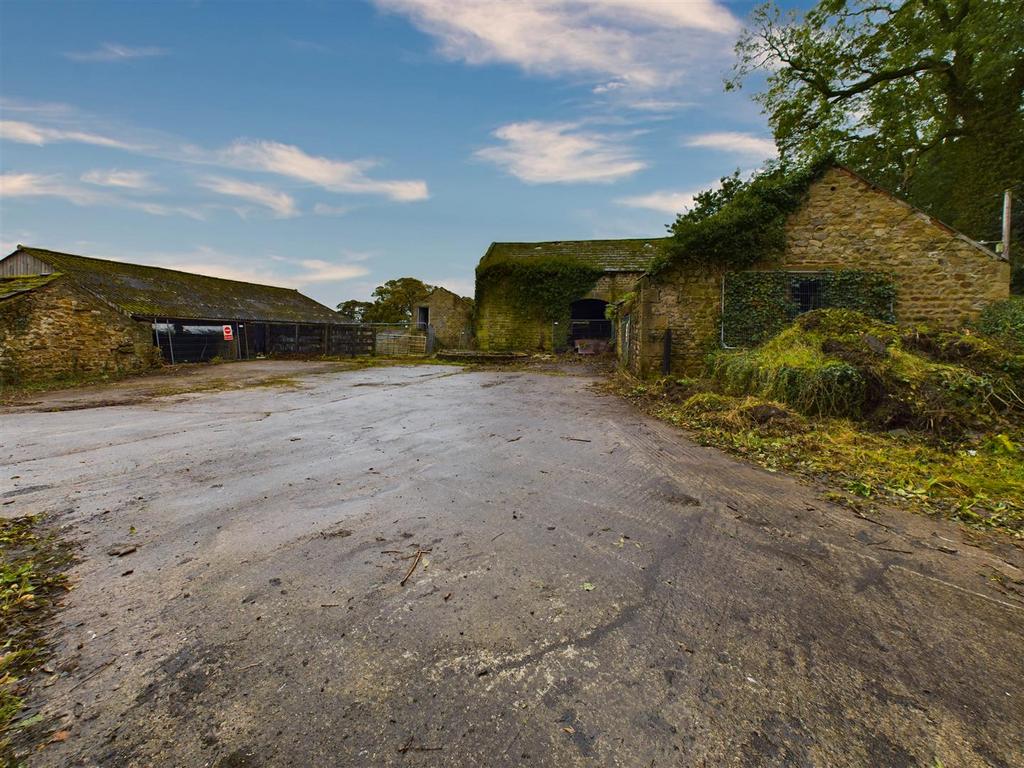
[[941, 278], [57, 332]]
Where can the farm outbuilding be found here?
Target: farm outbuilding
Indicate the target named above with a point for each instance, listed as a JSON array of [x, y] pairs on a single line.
[[848, 244], [551, 295], [844, 243], [448, 316], [63, 315]]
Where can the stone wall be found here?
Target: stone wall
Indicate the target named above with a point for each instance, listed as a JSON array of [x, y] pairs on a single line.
[[58, 332], [942, 278], [452, 318], [502, 325]]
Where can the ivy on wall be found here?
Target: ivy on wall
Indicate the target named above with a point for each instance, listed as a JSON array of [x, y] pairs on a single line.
[[757, 305], [546, 286], [741, 222]]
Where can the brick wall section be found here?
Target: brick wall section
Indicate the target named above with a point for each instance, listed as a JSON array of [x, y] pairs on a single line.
[[57, 332], [502, 325], [452, 318], [942, 279]]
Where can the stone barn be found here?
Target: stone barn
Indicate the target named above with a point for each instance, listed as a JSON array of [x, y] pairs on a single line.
[[450, 315], [63, 316], [848, 244], [551, 295]]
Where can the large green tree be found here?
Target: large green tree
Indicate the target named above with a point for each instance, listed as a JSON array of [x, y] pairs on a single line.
[[393, 302], [923, 96]]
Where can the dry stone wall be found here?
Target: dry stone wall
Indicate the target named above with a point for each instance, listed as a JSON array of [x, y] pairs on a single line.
[[57, 332]]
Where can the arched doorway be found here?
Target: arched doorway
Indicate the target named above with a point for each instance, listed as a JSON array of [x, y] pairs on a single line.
[[587, 321]]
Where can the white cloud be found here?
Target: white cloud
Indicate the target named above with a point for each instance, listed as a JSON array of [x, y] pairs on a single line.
[[29, 133], [269, 269], [116, 52], [54, 185], [282, 204], [323, 209], [660, 105], [643, 44], [540, 152], [463, 286], [45, 185], [59, 123], [333, 175], [746, 144], [120, 179], [662, 201]]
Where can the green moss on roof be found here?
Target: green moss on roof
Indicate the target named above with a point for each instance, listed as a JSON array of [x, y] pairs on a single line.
[[14, 286], [156, 292], [631, 255]]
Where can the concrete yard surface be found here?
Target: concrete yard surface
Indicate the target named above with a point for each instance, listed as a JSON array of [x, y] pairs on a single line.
[[586, 587]]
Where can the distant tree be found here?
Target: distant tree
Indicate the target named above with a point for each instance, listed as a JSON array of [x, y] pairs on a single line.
[[925, 97], [353, 310], [394, 301]]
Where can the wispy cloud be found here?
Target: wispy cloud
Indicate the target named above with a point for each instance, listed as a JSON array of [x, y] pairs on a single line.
[[282, 204], [138, 180], [23, 185], [40, 135], [269, 269], [323, 209], [744, 144], [540, 152], [641, 44], [348, 176], [253, 156], [117, 52], [45, 185], [663, 201]]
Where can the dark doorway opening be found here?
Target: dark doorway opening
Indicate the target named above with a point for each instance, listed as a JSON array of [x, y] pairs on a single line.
[[423, 316], [587, 321]]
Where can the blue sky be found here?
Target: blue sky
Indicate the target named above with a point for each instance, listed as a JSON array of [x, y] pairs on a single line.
[[331, 146]]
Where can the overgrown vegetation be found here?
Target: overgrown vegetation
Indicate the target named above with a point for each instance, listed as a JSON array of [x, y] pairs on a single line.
[[740, 223], [923, 96], [1004, 322], [33, 578], [758, 304], [931, 419], [547, 285]]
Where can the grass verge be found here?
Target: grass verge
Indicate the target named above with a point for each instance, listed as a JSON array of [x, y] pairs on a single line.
[[33, 578], [978, 480]]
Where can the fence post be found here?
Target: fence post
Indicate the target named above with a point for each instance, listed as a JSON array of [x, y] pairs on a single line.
[[431, 339], [666, 353]]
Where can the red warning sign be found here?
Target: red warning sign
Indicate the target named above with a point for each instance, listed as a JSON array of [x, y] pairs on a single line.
[[229, 334]]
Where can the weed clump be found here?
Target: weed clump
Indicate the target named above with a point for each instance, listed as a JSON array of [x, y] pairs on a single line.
[[841, 363], [1003, 321], [33, 565]]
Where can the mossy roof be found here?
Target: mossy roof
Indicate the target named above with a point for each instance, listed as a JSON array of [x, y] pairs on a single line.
[[156, 292], [630, 255], [15, 286]]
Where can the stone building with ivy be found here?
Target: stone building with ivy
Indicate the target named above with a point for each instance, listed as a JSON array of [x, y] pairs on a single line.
[[544, 296], [846, 243], [788, 244]]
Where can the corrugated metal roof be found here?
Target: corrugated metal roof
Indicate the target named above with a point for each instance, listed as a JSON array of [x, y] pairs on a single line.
[[14, 286], [632, 255], [149, 292]]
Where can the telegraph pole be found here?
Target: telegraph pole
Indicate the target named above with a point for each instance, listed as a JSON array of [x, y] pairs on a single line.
[[1007, 211]]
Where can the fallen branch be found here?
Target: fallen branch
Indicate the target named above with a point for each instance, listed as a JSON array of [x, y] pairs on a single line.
[[419, 556]]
